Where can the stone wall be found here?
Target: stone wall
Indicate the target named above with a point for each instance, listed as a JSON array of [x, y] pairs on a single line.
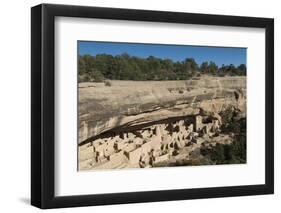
[[145, 146]]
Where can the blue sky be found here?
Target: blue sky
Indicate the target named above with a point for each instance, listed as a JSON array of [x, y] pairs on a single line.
[[220, 55]]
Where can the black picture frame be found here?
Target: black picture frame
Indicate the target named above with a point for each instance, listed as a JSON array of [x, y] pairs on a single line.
[[43, 102]]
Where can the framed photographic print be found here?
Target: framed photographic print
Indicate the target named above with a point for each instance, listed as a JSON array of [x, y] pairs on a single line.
[[139, 106]]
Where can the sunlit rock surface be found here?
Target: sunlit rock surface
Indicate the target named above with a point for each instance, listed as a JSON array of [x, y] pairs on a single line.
[[129, 103]]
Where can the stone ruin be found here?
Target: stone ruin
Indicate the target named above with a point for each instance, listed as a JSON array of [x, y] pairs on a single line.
[[149, 145]]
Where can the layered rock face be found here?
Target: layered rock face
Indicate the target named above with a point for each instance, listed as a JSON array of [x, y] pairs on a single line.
[[143, 124], [102, 107]]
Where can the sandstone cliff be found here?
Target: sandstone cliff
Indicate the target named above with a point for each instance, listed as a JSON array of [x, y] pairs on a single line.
[[125, 104]]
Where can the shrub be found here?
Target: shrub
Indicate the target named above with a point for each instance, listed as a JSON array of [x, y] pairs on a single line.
[[83, 78], [97, 76], [107, 83]]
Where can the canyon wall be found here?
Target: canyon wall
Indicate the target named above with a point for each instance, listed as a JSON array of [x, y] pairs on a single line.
[[121, 105]]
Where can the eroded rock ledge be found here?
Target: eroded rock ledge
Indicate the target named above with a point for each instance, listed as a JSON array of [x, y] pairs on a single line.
[[130, 103]]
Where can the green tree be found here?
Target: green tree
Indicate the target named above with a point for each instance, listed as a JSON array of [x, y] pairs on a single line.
[[242, 69], [213, 68], [204, 67], [126, 67]]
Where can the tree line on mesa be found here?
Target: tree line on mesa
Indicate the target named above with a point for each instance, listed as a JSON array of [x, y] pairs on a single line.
[[125, 67]]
